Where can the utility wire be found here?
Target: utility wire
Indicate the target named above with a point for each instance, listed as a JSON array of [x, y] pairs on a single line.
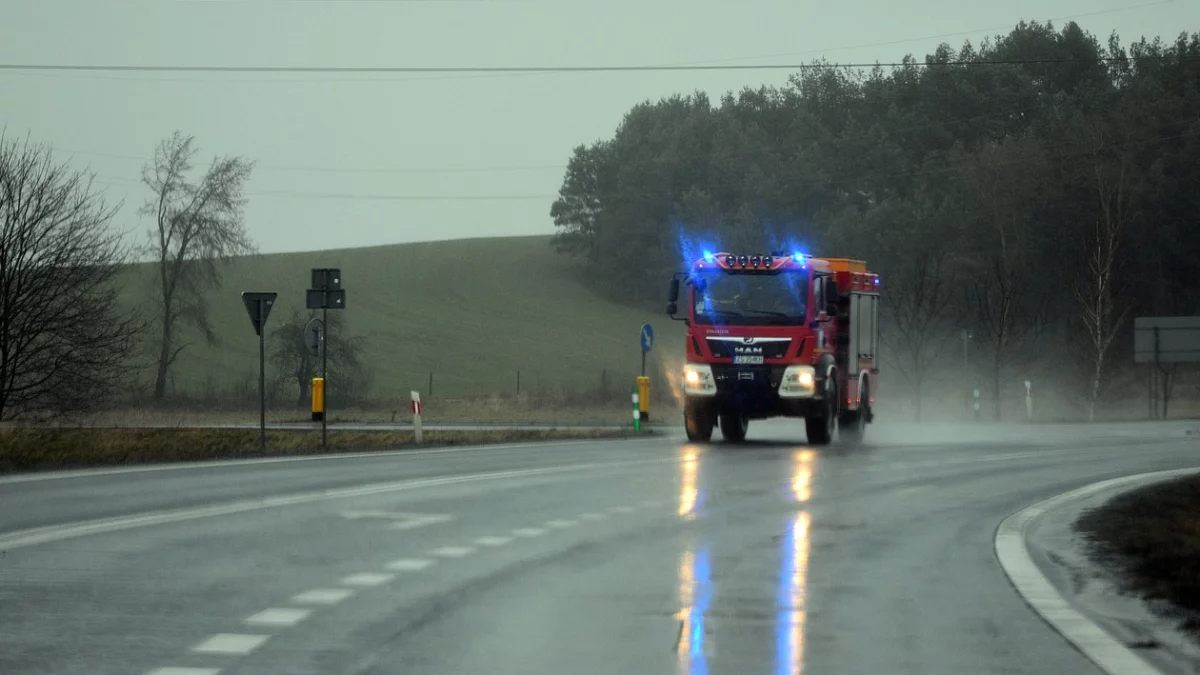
[[327, 70]]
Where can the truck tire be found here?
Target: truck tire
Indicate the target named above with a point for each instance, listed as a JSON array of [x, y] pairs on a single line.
[[734, 426], [853, 424], [698, 422], [820, 428]]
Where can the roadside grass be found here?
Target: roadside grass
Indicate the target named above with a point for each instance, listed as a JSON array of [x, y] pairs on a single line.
[[465, 318], [492, 410], [1152, 535], [25, 449]]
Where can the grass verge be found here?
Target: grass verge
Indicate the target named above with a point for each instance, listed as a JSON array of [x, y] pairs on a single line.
[[1152, 536], [497, 410], [46, 449]]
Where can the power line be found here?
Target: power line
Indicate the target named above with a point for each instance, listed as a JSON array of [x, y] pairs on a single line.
[[117, 181], [358, 170], [335, 70]]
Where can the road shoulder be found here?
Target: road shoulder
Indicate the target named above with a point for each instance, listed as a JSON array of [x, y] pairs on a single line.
[[1048, 564]]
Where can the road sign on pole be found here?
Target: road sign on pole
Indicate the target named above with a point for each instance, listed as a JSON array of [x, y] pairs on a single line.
[[647, 339], [258, 306], [326, 294], [1164, 342], [314, 337]]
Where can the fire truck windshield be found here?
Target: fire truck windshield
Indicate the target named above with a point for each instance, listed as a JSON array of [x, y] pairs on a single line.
[[752, 299]]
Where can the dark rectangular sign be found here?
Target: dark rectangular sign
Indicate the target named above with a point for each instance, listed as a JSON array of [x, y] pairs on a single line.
[[1167, 339]]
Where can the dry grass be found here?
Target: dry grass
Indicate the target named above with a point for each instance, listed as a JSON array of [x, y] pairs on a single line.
[[492, 410], [1153, 536], [45, 449]]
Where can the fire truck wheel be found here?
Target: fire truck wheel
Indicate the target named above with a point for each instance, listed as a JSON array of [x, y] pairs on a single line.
[[820, 428], [853, 425], [734, 426], [698, 423]]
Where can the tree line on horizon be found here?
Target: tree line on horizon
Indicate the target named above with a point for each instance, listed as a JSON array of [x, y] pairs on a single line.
[[1034, 193]]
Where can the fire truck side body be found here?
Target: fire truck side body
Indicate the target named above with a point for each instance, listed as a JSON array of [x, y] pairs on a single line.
[[778, 336]]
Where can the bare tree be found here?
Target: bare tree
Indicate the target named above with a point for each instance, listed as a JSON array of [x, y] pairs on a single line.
[[1101, 308], [64, 338], [198, 226], [349, 377], [1006, 293], [918, 303]]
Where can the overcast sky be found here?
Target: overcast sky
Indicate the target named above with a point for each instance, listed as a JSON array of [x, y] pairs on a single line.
[[386, 143]]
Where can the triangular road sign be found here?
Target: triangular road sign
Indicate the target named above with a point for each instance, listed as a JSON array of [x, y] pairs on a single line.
[[258, 306]]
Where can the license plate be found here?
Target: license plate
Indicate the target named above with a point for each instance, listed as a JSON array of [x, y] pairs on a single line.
[[748, 359]]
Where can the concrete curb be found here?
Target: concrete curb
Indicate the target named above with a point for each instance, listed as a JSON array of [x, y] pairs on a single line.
[[1109, 654]]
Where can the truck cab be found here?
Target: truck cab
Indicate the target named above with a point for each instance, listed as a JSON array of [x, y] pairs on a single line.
[[778, 335]]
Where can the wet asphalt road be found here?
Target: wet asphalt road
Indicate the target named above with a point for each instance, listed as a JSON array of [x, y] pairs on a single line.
[[648, 556]]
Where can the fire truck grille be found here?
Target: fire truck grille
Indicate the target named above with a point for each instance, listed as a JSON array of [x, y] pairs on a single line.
[[729, 348]]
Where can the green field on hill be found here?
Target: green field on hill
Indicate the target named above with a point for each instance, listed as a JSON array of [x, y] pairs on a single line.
[[472, 312]]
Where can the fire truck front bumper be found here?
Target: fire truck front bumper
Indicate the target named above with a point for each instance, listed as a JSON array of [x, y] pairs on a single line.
[[759, 390]]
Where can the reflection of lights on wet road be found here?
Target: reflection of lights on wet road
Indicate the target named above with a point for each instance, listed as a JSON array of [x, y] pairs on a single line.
[[689, 486], [695, 592], [802, 472], [791, 611], [791, 606]]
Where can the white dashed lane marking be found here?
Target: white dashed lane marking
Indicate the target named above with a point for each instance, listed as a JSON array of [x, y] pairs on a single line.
[[529, 532], [278, 616], [560, 524], [593, 516], [452, 551], [323, 596], [230, 643], [493, 541], [622, 509], [171, 670], [368, 579], [409, 564]]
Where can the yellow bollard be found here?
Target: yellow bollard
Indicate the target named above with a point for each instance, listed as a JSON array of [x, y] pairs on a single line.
[[318, 399], [643, 387]]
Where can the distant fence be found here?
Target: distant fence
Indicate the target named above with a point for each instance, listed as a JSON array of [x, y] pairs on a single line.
[[559, 386]]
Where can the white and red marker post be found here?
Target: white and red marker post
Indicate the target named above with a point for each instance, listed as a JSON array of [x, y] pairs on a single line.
[[416, 412]]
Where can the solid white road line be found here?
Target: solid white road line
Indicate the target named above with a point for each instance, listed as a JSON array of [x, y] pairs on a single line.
[[408, 564], [171, 670], [53, 533], [1103, 649], [278, 616], [323, 596], [367, 579], [529, 532], [493, 541], [452, 551], [230, 643]]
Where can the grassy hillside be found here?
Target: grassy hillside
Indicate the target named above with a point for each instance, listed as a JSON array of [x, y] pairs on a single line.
[[472, 312]]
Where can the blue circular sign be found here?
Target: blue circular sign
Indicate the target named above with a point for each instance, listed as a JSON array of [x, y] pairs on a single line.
[[647, 337]]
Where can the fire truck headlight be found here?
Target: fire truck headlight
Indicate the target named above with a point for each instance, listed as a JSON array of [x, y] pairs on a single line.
[[698, 380], [798, 382]]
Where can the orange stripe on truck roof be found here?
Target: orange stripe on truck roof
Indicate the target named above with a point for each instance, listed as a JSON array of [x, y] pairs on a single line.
[[846, 265]]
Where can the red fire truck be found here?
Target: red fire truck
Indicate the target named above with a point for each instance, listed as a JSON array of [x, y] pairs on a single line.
[[780, 335]]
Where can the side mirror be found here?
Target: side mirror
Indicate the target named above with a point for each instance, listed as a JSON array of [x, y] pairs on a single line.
[[673, 293], [672, 308]]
